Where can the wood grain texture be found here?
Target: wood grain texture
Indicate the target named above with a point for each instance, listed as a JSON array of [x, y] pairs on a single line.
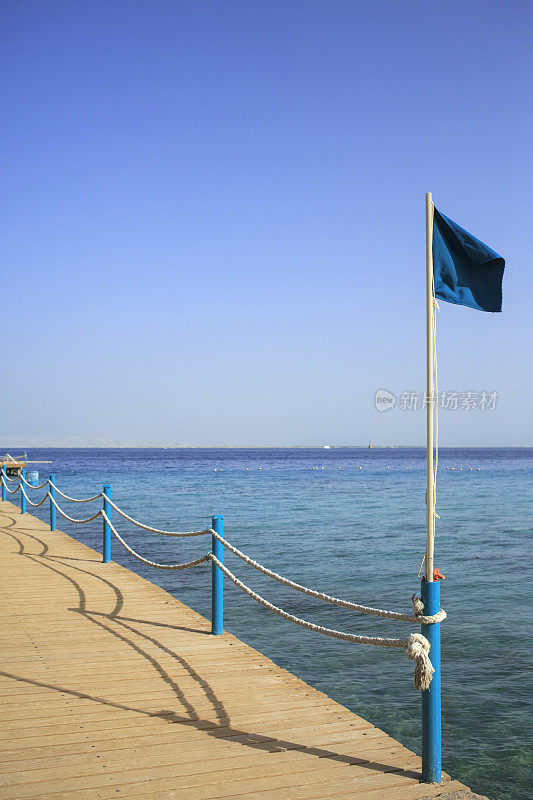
[[110, 687]]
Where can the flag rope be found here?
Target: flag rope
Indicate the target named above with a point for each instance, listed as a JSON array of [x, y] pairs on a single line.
[[434, 399]]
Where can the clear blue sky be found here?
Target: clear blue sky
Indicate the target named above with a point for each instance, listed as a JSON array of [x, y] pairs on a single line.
[[213, 217]]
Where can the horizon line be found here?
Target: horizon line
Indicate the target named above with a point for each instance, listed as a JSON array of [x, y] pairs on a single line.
[[25, 448]]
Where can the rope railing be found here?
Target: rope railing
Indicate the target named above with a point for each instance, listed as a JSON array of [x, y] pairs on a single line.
[[31, 485], [347, 637], [155, 530], [35, 505], [47, 483], [72, 519], [75, 499], [6, 487], [416, 645], [146, 560], [377, 612]]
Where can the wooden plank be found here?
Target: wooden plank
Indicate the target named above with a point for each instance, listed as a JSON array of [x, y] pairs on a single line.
[[44, 757], [200, 771], [110, 687]]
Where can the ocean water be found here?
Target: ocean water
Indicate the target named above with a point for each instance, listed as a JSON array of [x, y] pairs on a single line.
[[354, 527]]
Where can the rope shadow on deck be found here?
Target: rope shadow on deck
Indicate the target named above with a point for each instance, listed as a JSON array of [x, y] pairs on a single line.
[[222, 727]]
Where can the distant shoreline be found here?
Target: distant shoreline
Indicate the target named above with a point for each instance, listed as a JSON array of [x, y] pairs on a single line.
[[332, 447]]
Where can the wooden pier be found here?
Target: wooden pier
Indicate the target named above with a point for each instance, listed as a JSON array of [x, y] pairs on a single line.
[[112, 688]]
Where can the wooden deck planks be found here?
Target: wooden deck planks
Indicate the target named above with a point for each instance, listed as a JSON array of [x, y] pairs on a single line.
[[110, 687]]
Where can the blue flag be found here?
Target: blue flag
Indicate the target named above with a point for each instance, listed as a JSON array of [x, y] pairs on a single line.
[[466, 272]]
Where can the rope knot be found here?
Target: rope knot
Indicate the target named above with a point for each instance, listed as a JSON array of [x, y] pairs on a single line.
[[418, 606], [418, 649]]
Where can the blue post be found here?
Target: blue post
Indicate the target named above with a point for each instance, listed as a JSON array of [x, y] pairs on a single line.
[[22, 495], [217, 578], [52, 506], [431, 702], [106, 548], [3, 485]]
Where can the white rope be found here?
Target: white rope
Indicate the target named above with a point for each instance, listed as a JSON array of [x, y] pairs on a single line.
[[74, 499], [146, 560], [435, 309], [377, 612], [416, 645], [154, 530], [71, 519], [35, 505], [10, 479], [418, 649], [435, 392], [31, 486], [11, 491]]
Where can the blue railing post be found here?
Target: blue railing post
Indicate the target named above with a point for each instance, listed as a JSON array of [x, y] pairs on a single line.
[[431, 699], [22, 495], [3, 484], [52, 480], [106, 545], [217, 579]]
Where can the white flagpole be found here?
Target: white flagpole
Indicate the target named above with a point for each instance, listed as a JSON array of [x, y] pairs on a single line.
[[430, 589], [430, 388]]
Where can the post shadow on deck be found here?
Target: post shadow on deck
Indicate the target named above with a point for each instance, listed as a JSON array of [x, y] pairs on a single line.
[[431, 698], [217, 578]]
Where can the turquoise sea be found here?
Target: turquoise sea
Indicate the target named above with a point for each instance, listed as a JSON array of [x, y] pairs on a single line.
[[354, 527]]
